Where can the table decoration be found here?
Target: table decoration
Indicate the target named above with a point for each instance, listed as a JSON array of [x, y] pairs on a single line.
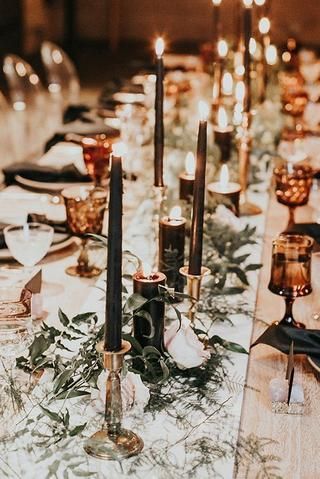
[[223, 135], [225, 192], [291, 271], [186, 179], [195, 255], [216, 24], [148, 320], [247, 33], [85, 208], [159, 129], [222, 52], [172, 230], [292, 186], [112, 441], [96, 154], [245, 144]]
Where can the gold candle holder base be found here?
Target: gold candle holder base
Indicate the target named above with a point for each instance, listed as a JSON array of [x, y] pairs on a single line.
[[112, 442], [249, 209], [193, 287]]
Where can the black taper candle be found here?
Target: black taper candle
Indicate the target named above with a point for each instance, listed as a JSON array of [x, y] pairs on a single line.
[[158, 127], [113, 315], [247, 31], [196, 234], [171, 250], [148, 287]]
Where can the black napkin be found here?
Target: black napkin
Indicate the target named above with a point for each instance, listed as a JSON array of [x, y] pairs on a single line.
[[32, 171], [76, 112], [306, 341]]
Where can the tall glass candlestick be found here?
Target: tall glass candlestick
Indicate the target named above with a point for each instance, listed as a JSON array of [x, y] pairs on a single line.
[[247, 32], [113, 315], [159, 128], [171, 247], [196, 234]]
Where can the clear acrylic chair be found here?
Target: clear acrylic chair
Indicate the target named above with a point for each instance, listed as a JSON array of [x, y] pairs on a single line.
[[28, 102], [9, 139], [61, 72]]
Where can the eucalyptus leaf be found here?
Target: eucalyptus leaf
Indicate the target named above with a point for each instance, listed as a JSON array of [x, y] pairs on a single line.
[[229, 345], [52, 415], [63, 318]]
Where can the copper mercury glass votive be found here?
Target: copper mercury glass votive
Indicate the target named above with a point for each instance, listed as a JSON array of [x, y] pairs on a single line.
[[291, 271], [85, 208], [292, 186]]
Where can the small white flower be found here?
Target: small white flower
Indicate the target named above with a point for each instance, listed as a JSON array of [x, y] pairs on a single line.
[[225, 216], [134, 393], [183, 345]]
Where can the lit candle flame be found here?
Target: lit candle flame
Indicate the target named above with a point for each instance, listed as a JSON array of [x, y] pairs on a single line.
[[240, 91], [222, 48], [159, 47], [175, 213], [271, 54], [247, 3], [252, 46], [216, 2], [146, 270], [119, 149], [222, 117], [264, 25], [203, 110], [227, 83], [224, 177], [190, 164]]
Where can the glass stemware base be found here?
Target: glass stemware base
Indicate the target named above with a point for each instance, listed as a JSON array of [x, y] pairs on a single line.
[[83, 269]]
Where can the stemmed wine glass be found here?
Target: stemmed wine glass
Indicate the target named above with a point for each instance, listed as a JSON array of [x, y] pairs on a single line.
[[96, 154], [85, 207], [291, 271], [28, 243], [292, 186]]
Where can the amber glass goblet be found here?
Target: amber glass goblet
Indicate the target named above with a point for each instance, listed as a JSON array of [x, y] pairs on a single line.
[[292, 186], [291, 271], [85, 208], [96, 155]]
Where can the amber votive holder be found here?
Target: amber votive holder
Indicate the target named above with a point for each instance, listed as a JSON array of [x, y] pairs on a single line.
[[85, 208]]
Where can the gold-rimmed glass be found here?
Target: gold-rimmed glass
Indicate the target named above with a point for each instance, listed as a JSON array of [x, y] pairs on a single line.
[[85, 208], [291, 271], [292, 186]]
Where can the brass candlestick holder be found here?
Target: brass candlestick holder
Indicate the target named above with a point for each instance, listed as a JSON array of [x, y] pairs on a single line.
[[193, 288], [113, 442], [246, 207]]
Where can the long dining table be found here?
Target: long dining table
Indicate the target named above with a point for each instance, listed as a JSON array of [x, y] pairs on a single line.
[[289, 440]]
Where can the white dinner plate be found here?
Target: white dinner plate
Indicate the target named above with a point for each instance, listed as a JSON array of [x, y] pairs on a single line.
[[56, 246], [44, 186]]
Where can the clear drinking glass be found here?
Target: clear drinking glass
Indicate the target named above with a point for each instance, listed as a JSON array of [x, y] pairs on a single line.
[[16, 335], [291, 271], [28, 243]]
